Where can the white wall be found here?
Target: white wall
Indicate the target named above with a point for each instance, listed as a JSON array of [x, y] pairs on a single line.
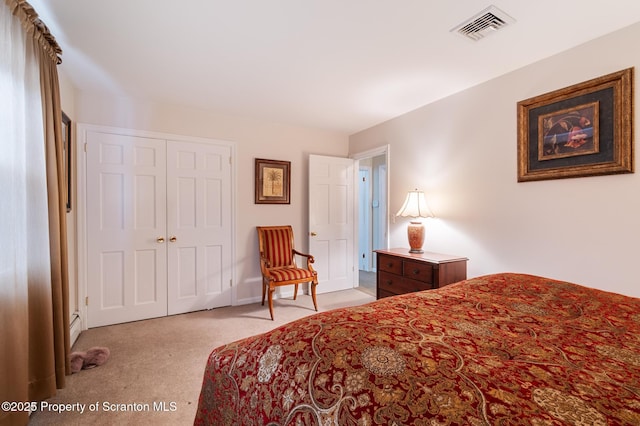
[[462, 152], [253, 139]]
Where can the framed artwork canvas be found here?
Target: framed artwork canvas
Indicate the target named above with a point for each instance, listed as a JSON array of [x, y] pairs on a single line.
[[272, 181], [581, 130]]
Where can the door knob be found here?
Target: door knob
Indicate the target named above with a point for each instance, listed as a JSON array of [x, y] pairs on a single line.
[[313, 234], [173, 239], [160, 240]]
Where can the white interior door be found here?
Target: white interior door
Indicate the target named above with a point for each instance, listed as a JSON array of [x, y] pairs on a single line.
[[126, 227], [331, 221], [364, 219], [199, 226]]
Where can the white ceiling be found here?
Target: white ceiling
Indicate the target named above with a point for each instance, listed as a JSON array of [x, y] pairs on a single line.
[[343, 65]]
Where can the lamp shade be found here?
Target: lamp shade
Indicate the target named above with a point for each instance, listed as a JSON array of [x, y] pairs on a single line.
[[415, 205]]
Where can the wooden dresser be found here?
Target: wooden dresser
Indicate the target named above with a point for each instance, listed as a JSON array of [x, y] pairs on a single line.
[[402, 272]]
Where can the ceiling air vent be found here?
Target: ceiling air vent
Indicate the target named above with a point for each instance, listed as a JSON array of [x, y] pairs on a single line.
[[484, 23]]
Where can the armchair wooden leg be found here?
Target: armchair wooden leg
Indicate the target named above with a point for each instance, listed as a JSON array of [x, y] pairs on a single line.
[[264, 291], [271, 290], [313, 294], [295, 292]]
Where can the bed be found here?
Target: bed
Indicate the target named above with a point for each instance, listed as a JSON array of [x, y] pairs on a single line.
[[504, 349]]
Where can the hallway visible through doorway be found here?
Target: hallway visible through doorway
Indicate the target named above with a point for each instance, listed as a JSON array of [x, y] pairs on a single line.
[[372, 213]]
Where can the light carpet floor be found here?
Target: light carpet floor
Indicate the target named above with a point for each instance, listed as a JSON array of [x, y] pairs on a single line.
[[154, 373]]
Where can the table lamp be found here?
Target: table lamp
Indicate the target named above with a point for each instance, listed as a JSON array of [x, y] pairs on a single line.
[[415, 206]]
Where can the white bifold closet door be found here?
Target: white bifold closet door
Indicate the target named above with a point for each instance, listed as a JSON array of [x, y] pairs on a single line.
[[199, 226], [158, 227]]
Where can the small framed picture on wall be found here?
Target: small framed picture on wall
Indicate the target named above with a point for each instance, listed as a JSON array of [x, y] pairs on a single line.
[[273, 181]]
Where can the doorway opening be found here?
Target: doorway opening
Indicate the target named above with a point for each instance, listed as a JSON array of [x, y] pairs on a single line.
[[372, 214]]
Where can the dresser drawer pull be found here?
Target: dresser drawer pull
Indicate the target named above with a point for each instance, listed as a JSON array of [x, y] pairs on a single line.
[[389, 282], [416, 272]]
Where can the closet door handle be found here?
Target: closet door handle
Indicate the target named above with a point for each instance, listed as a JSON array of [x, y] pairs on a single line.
[[173, 239], [160, 240]]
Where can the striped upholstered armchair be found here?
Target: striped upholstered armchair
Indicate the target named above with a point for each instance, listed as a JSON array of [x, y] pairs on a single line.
[[278, 263]]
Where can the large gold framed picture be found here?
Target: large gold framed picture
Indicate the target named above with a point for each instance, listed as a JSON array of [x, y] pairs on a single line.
[[582, 130]]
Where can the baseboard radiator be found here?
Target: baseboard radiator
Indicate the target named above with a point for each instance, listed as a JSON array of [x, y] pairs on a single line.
[[75, 327]]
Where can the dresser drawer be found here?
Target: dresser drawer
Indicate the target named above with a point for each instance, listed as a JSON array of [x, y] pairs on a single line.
[[414, 285], [395, 284], [382, 294], [419, 271], [389, 283], [390, 264]]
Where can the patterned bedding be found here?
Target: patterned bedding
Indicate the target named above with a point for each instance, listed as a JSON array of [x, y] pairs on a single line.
[[507, 349]]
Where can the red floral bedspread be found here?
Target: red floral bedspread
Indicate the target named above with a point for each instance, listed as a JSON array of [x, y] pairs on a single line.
[[505, 349]]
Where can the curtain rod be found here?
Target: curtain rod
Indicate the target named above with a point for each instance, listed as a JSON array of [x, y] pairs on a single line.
[[32, 23]]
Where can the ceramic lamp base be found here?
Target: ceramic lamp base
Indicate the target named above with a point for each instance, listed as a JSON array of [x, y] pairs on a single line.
[[415, 231]]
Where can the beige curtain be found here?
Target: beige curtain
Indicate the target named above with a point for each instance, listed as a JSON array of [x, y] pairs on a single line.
[[34, 314]]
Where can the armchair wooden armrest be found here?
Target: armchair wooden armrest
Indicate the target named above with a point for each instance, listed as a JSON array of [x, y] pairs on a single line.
[[309, 257], [265, 265]]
